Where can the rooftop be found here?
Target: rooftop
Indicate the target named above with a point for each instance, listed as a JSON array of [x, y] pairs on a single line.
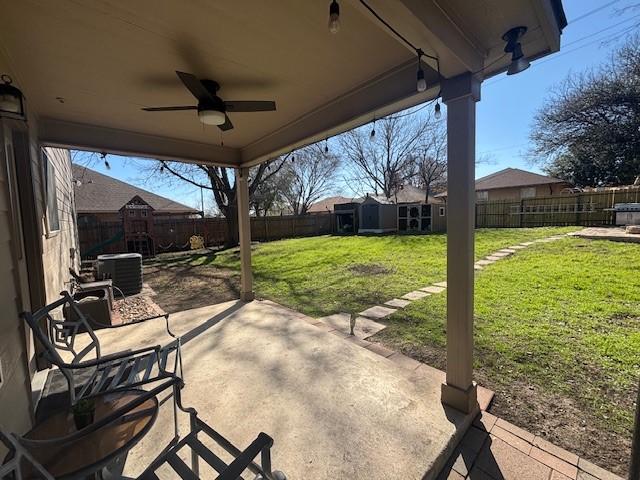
[[511, 177], [99, 193]]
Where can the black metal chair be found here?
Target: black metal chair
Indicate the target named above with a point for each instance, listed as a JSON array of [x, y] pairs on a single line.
[[169, 459], [242, 460], [89, 372]]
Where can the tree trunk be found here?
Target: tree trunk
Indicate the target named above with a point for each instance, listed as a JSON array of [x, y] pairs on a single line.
[[231, 217]]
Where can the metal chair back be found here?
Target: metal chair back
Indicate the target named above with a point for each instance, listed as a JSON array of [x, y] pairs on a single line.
[[14, 468], [56, 333]]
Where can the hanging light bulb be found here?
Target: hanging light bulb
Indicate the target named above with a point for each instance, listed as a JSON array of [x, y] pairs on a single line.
[[293, 158], [326, 145], [372, 135], [437, 112], [106, 163], [421, 84], [161, 168], [334, 17]]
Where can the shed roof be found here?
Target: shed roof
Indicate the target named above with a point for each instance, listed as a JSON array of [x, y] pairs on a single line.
[[99, 193], [326, 204]]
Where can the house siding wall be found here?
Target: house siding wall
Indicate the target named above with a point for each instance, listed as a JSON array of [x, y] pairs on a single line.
[[513, 193], [54, 251], [15, 414], [59, 249]]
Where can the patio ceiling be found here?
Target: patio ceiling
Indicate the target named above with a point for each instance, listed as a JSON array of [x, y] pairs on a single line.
[[87, 68]]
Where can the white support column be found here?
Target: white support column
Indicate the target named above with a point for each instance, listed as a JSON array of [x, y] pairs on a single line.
[[244, 234], [460, 94]]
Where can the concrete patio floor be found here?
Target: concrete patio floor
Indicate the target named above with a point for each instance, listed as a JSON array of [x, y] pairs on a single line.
[[334, 409]]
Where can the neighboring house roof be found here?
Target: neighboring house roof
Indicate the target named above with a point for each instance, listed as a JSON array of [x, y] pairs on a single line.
[[408, 194], [326, 204], [98, 193], [511, 177]]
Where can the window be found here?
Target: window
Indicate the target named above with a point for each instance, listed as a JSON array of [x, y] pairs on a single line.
[[441, 211], [51, 192], [528, 192], [482, 195], [143, 213]]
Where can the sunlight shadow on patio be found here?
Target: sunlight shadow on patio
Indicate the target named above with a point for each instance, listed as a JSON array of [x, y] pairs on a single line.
[[334, 409]]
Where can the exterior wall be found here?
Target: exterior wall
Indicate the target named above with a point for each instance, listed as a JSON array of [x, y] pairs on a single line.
[[438, 222], [389, 218], [59, 249], [24, 242], [513, 193], [15, 414]]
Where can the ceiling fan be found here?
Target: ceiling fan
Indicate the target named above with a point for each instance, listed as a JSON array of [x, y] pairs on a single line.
[[212, 110]]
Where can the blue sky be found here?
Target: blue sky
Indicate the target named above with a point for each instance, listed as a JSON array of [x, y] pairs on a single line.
[[505, 114]]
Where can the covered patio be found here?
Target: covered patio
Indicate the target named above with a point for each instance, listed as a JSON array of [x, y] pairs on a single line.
[[334, 408], [87, 70]]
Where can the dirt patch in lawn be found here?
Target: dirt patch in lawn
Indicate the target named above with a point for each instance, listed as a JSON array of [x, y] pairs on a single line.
[[366, 269], [182, 286], [556, 418]]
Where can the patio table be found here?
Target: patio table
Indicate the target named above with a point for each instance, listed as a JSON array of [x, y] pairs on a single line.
[[89, 454]]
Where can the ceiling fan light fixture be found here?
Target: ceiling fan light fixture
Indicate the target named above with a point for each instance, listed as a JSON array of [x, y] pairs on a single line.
[[211, 117]]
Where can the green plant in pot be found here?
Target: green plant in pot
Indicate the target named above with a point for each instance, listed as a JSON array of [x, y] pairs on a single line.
[[83, 412]]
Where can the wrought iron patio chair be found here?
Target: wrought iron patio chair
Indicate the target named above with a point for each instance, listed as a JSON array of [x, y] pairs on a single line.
[[243, 460], [14, 468], [199, 435], [21, 448], [89, 372]]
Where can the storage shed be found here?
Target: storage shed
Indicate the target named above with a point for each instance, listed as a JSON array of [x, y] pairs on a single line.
[[377, 215], [347, 217]]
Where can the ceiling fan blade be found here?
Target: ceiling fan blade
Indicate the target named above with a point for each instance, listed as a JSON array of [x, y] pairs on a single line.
[[227, 125], [169, 109], [195, 86], [250, 106]]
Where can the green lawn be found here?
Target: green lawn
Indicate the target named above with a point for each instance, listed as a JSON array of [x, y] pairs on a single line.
[[563, 317], [329, 274], [557, 325]]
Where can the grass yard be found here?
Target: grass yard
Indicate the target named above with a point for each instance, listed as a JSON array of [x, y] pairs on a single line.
[[324, 275], [557, 326], [557, 337]]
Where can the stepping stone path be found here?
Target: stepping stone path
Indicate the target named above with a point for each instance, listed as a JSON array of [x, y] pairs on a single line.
[[366, 325], [416, 295], [377, 312], [433, 289], [398, 303]]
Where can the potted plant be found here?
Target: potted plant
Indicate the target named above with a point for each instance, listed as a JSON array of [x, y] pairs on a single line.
[[83, 412]]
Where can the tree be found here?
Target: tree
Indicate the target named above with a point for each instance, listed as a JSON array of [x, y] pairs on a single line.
[[268, 198], [383, 162], [309, 177], [588, 130], [431, 160], [220, 181]]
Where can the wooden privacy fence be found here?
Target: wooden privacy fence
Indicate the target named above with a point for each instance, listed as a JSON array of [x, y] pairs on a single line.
[[174, 234], [588, 209]]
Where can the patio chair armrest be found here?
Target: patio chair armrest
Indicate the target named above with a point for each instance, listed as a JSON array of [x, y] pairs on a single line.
[[141, 320], [242, 461], [110, 358]]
